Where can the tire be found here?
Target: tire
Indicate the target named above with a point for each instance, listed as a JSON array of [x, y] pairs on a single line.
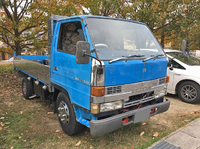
[[67, 116], [189, 92], [27, 88]]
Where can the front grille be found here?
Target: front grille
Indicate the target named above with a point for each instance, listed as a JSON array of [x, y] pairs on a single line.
[[113, 90], [139, 99]]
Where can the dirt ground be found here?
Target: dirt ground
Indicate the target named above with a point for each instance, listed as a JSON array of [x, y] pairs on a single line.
[[32, 124], [177, 109]]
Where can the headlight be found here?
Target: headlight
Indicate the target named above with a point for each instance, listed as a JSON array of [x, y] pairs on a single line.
[[111, 106]]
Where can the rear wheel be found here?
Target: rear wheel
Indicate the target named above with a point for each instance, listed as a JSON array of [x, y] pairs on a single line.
[[27, 88], [66, 115], [189, 92]]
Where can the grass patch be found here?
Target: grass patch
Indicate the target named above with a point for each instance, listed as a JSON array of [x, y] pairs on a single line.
[[6, 68], [28, 124]]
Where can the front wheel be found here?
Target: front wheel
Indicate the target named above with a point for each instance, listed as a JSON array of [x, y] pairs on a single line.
[[66, 115], [189, 92]]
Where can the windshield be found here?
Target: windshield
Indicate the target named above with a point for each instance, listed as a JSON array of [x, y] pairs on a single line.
[[189, 60], [116, 38]]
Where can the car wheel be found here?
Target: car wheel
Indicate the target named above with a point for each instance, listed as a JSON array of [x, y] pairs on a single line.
[[27, 88], [66, 115], [189, 92]]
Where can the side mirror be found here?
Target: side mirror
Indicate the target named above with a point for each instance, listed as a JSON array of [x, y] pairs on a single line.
[[82, 48], [169, 63]]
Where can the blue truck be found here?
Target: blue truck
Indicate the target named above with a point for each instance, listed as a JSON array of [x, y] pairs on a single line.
[[101, 72]]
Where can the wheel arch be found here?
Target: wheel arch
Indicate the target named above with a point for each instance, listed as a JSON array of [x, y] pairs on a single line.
[[180, 82], [77, 110], [57, 90]]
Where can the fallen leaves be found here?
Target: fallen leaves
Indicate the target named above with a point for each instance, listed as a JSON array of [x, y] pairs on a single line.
[[195, 112], [143, 124], [1, 118], [57, 131], [142, 133], [50, 112], [78, 143], [19, 137], [7, 123], [155, 135], [59, 137], [4, 124]]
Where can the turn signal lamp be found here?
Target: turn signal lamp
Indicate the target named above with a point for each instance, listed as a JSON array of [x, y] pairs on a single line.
[[97, 91]]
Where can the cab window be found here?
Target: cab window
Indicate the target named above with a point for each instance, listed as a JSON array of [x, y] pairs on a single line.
[[70, 34]]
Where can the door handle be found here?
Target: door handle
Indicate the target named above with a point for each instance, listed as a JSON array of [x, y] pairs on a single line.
[[55, 68]]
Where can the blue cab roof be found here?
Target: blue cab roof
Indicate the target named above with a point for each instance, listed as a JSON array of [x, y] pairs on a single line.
[[95, 16]]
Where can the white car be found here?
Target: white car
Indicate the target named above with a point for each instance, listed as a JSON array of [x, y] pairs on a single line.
[[184, 73], [11, 59]]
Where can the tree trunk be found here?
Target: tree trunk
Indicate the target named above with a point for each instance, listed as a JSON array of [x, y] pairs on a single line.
[[3, 55], [18, 48], [18, 52], [163, 38]]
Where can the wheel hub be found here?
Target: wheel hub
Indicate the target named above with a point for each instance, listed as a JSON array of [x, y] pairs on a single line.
[[63, 112], [188, 92]]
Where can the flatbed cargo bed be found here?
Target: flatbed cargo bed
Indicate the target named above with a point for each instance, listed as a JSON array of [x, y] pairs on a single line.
[[35, 66]]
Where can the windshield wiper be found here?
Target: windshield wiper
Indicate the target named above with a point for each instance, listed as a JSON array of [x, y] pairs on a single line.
[[152, 57], [128, 56]]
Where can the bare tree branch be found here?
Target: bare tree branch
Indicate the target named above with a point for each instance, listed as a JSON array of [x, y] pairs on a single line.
[[6, 29], [19, 4], [23, 11], [5, 39], [11, 7], [7, 11], [26, 28]]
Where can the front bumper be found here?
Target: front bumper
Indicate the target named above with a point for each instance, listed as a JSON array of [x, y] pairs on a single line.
[[101, 127]]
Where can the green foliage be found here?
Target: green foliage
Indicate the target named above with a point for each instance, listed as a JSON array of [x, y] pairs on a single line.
[[24, 25], [169, 20]]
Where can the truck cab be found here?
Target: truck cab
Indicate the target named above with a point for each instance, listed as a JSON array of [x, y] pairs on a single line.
[[104, 73]]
